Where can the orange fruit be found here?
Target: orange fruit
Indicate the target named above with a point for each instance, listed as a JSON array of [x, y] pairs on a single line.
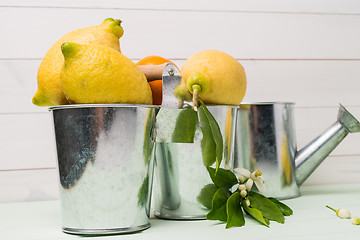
[[155, 85], [153, 60], [156, 89]]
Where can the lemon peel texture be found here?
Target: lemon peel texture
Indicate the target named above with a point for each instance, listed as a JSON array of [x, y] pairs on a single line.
[[99, 74], [49, 91], [220, 77]]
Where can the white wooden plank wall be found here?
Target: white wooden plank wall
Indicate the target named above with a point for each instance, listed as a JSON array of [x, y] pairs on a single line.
[[307, 52]]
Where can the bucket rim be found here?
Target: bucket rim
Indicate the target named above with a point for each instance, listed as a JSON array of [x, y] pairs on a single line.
[[101, 105], [267, 103]]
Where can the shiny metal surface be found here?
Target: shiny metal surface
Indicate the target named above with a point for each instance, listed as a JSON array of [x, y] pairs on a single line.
[[265, 139], [171, 79], [111, 231], [105, 166], [179, 170], [310, 156]]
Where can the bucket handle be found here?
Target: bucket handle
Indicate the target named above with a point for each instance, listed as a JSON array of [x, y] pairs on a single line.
[[171, 78]]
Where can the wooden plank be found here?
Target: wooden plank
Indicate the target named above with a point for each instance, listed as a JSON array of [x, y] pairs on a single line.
[[311, 220], [306, 83], [28, 139], [42, 184], [306, 6], [18, 85], [179, 34], [311, 122], [29, 185], [336, 170]]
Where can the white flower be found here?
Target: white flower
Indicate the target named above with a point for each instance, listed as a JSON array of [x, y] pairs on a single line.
[[341, 212], [355, 220], [252, 177]]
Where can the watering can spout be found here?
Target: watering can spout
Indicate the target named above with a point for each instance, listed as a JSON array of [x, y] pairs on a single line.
[[309, 157]]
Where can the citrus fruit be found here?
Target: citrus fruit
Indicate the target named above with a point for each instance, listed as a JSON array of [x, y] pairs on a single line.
[[156, 90], [153, 60], [156, 85], [100, 74], [49, 92], [215, 77]]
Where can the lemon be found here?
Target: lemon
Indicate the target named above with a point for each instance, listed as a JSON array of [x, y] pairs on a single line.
[[99, 74], [216, 77], [49, 92]]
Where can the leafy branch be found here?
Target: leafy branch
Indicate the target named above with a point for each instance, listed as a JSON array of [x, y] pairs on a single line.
[[229, 205], [229, 197]]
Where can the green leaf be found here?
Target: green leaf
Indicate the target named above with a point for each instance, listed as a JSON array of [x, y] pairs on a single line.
[[235, 216], [211, 137], [143, 192], [255, 213], [218, 210], [207, 194], [222, 178], [286, 210], [148, 142], [268, 208], [208, 145], [185, 127]]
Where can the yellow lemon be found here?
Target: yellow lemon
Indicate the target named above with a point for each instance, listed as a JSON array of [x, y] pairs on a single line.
[[216, 77], [49, 92], [99, 74]]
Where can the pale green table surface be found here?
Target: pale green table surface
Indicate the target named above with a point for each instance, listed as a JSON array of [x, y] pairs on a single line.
[[311, 220]]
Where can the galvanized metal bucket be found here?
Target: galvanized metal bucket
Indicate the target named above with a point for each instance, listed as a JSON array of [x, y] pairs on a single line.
[[180, 173], [105, 167]]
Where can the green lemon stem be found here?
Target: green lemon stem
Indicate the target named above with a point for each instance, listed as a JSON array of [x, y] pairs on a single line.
[[181, 104], [115, 26], [196, 88], [330, 208], [69, 49]]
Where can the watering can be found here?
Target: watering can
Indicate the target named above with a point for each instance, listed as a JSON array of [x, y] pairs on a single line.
[[265, 140]]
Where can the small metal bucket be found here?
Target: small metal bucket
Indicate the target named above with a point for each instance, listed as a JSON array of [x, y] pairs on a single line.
[[180, 173], [105, 167]]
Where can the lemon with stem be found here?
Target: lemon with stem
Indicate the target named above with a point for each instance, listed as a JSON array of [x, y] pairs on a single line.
[[215, 77]]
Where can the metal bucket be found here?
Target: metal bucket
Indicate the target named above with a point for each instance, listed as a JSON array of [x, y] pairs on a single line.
[[105, 167], [180, 173]]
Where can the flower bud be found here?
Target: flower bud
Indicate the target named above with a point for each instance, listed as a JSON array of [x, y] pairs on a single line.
[[355, 220], [242, 187], [343, 213], [247, 201], [241, 179], [243, 193]]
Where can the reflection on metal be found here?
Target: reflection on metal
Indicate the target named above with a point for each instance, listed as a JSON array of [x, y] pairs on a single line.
[[265, 140], [105, 166], [180, 173]]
